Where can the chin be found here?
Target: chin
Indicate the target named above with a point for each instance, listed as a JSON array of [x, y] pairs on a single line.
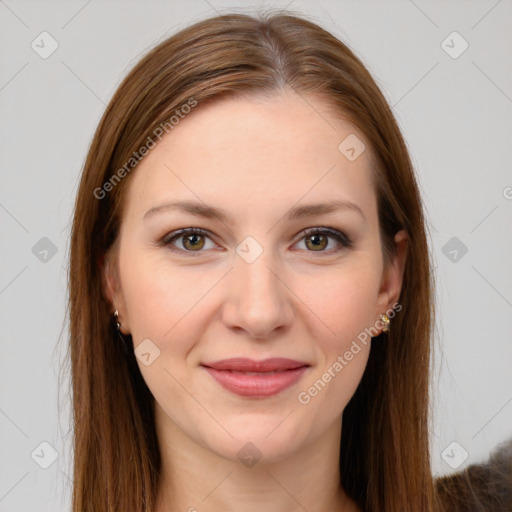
[[264, 441]]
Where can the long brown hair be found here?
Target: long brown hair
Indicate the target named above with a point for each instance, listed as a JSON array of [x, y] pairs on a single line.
[[384, 456]]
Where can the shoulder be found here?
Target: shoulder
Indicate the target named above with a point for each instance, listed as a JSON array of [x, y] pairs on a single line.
[[480, 487]]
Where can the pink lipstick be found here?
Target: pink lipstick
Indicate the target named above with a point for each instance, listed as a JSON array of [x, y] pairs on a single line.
[[256, 379]]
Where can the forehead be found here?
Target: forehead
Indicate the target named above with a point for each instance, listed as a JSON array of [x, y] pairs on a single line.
[[255, 155]]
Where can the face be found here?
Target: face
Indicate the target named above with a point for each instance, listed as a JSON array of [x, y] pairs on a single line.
[[260, 274]]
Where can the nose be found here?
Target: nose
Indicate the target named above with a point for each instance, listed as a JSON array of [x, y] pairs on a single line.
[[258, 300]]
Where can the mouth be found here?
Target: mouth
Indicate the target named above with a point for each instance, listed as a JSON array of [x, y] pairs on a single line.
[[256, 379]]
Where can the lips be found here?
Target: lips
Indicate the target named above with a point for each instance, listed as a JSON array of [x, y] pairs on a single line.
[[256, 379], [240, 364]]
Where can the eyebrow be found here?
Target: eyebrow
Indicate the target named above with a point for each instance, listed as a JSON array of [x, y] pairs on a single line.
[[209, 212]]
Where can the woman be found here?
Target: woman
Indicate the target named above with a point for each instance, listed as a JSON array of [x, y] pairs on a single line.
[[251, 295]]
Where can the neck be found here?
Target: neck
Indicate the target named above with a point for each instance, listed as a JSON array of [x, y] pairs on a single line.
[[195, 478]]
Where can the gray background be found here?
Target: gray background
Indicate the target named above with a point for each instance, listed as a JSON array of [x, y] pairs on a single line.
[[455, 114]]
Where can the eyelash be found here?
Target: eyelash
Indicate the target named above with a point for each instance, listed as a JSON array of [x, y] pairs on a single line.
[[339, 236]]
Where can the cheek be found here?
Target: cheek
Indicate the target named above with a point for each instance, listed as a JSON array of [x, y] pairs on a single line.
[[163, 303], [159, 297], [344, 299], [345, 304]]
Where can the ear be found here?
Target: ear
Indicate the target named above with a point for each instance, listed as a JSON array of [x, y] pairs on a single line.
[[112, 288], [392, 278]]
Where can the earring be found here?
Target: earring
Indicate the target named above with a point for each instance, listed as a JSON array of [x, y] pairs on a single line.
[[123, 339], [386, 321], [116, 316]]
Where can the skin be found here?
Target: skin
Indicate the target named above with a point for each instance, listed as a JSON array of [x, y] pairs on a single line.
[[256, 159]]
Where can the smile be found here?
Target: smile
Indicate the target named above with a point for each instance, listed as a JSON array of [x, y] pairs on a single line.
[[255, 379]]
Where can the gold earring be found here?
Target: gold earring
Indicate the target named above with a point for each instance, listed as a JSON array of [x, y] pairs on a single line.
[[386, 321]]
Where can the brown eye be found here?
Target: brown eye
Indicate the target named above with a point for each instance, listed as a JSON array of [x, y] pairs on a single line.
[[188, 241], [193, 242], [316, 242], [319, 240]]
